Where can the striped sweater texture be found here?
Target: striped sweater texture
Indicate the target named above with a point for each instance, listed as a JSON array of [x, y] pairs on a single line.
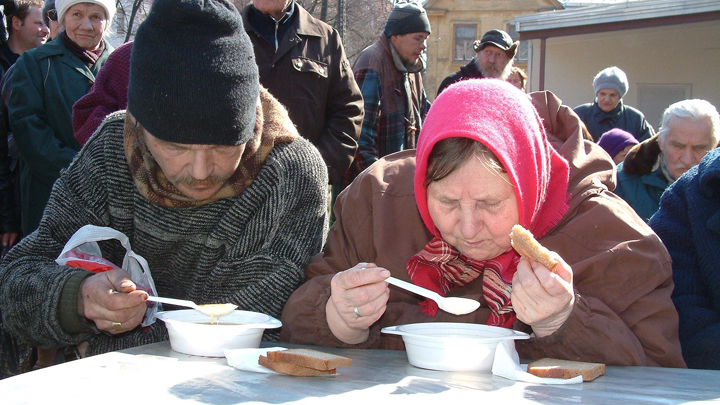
[[250, 250]]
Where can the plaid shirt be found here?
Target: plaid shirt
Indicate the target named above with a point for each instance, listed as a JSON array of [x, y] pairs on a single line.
[[381, 134]]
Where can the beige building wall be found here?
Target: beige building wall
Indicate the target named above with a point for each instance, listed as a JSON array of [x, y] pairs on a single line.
[[444, 15], [679, 57]]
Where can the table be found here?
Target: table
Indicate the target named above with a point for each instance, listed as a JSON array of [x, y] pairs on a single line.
[[154, 374]]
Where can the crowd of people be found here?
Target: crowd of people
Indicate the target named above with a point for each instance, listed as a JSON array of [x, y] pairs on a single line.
[[225, 187]]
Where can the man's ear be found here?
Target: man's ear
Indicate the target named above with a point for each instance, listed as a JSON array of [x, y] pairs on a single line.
[[16, 23]]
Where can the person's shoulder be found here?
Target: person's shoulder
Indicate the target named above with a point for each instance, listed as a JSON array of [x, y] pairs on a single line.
[[392, 174], [297, 158], [705, 175], [110, 132], [309, 25], [372, 51], [626, 183], [630, 110], [48, 49], [122, 52], [624, 178], [582, 108]]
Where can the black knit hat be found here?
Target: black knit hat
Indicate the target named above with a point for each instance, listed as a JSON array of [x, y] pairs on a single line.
[[406, 18], [193, 77]]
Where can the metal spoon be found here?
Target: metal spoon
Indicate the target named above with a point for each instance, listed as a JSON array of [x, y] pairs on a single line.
[[211, 310], [453, 305]]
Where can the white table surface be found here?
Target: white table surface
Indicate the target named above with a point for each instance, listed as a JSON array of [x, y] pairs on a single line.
[[154, 374]]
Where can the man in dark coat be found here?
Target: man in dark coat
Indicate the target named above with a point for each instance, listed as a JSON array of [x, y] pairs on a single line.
[[302, 63], [494, 58]]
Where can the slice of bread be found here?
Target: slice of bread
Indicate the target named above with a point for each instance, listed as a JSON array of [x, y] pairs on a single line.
[[555, 368], [526, 245], [310, 358], [291, 369]]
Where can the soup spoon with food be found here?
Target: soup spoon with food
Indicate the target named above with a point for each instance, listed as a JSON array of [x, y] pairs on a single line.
[[453, 305], [211, 310]]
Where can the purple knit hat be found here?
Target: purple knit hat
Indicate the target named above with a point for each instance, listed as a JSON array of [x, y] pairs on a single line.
[[615, 140]]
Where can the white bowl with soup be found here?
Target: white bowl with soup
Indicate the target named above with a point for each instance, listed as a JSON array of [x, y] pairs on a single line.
[[192, 333], [450, 346]]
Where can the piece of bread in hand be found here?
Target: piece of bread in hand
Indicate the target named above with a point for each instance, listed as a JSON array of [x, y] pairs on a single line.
[[526, 245], [310, 358], [555, 368], [291, 369]]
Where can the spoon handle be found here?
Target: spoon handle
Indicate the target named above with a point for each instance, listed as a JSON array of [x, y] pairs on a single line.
[[173, 301], [413, 288]]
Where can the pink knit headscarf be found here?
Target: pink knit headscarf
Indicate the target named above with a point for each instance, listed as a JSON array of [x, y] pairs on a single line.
[[502, 118]]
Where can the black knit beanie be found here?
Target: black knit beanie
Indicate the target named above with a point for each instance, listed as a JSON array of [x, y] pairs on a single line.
[[193, 77], [406, 18]]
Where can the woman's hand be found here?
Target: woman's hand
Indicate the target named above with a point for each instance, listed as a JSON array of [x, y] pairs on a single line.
[[542, 299], [111, 301], [358, 299]]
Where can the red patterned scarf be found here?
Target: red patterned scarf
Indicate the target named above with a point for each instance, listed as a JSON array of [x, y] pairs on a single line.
[[441, 268]]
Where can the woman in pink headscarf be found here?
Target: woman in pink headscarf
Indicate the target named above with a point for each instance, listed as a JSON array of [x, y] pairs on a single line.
[[440, 217]]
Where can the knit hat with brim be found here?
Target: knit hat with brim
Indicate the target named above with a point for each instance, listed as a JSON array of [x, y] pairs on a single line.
[[499, 39], [406, 18], [615, 140], [193, 75], [611, 78], [64, 5]]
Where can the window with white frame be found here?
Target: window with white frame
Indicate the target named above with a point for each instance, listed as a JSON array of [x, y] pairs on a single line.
[[465, 35]]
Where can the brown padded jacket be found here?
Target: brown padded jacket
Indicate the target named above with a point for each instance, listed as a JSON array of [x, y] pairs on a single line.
[[623, 312]]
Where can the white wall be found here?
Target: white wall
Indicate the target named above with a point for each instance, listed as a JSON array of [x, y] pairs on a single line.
[[680, 54]]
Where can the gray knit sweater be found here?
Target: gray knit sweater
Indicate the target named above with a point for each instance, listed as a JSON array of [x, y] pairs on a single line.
[[250, 250]]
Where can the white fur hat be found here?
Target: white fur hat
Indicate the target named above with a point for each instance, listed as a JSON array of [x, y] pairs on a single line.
[[63, 5]]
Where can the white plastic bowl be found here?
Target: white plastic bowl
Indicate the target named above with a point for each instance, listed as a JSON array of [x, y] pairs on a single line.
[[191, 333], [452, 346]]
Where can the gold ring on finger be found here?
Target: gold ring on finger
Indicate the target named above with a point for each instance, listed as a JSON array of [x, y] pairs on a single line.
[[117, 326]]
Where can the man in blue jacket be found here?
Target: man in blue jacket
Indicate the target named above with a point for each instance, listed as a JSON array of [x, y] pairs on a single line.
[[688, 222]]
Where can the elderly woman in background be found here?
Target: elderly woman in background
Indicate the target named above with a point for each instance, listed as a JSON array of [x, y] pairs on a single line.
[[483, 164], [47, 81], [617, 143], [517, 78]]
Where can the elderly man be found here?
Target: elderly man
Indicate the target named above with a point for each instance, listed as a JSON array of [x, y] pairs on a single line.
[[205, 174], [302, 63], [687, 222], [689, 129], [608, 111], [389, 73], [494, 58]]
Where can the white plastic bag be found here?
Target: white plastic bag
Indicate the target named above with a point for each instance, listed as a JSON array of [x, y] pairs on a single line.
[[85, 241]]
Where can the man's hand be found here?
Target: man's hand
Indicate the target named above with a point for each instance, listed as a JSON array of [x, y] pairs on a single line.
[[7, 240], [111, 301]]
